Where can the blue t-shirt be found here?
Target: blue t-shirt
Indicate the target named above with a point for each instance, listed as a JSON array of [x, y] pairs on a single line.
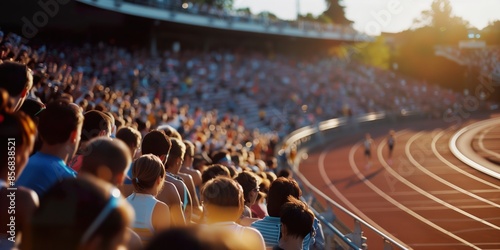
[[43, 171]]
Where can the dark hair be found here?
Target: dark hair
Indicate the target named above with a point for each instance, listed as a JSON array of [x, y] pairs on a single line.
[[213, 171], [95, 121], [157, 143], [131, 136], [297, 218], [58, 121], [248, 182], [278, 194], [191, 237], [17, 126], [69, 208], [177, 150], [102, 154], [218, 156], [189, 148], [145, 171], [14, 77]]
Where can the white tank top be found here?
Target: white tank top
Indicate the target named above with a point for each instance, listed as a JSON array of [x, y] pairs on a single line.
[[143, 205]]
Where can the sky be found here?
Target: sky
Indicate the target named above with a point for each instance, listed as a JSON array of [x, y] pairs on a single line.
[[375, 16]]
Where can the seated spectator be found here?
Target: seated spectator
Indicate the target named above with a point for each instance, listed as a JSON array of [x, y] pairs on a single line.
[[224, 158], [270, 227], [18, 132], [59, 129], [173, 166], [132, 138], [109, 161], [196, 237], [95, 124], [296, 222], [213, 171], [151, 215], [157, 143], [250, 184], [223, 201], [106, 159], [187, 165], [17, 79], [88, 214]]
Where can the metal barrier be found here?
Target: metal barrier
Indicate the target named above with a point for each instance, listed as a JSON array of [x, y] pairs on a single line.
[[309, 137]]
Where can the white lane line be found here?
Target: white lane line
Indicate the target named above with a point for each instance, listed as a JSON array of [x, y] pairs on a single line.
[[430, 196], [338, 193], [454, 149], [396, 203], [436, 177], [481, 144], [453, 166]]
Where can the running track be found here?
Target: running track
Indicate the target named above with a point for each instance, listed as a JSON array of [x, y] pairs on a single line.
[[424, 196]]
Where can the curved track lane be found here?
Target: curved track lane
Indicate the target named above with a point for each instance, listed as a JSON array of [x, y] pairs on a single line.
[[423, 196]]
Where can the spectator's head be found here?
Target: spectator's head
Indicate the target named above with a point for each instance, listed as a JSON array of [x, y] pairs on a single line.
[[61, 123], [106, 159], [189, 155], [176, 156], [17, 79], [296, 219], [285, 172], [148, 174], [222, 157], [156, 143], [82, 213], [170, 131], [18, 131], [250, 184], [96, 124], [278, 194], [132, 137], [213, 171], [222, 199]]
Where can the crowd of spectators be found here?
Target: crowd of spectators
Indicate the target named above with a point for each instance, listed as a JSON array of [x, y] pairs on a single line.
[[486, 60], [103, 123]]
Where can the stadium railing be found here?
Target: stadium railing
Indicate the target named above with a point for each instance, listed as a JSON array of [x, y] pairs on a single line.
[[204, 15], [303, 140]]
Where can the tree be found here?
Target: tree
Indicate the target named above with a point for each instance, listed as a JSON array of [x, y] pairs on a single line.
[[335, 12], [446, 28], [376, 53]]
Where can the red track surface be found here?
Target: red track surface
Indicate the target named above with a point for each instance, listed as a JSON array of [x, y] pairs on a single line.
[[424, 196]]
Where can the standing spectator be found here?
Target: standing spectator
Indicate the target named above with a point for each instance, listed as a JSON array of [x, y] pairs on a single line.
[[59, 127]]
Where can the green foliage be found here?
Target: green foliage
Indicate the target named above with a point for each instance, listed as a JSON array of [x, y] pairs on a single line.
[[491, 33], [377, 53]]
